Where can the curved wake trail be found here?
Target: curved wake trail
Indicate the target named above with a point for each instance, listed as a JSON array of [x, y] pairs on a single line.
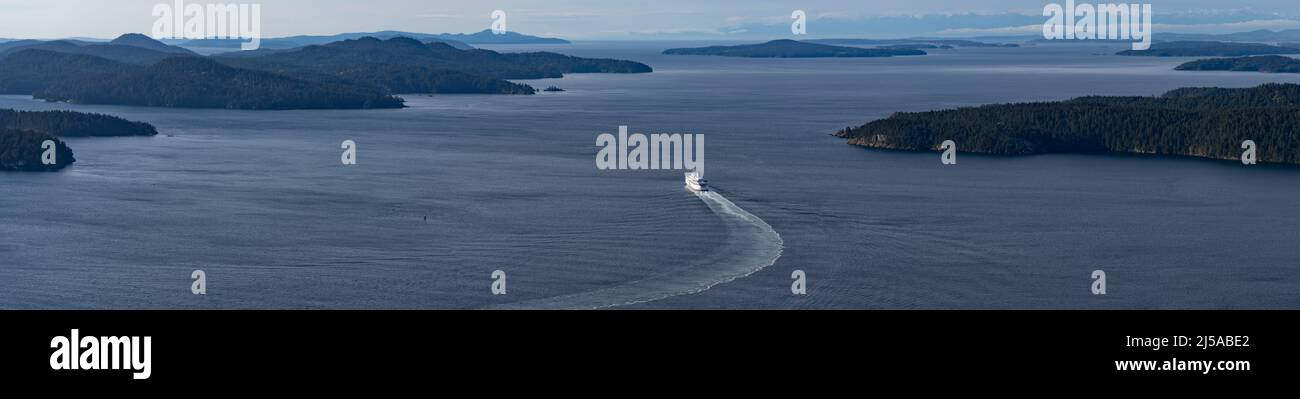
[[751, 245]]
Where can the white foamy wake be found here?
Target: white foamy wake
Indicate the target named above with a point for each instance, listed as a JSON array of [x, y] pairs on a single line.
[[751, 245]]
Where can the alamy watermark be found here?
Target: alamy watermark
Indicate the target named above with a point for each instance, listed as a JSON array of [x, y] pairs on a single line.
[[209, 21], [1099, 22], [49, 153], [800, 24], [349, 156], [75, 352], [949, 155], [200, 284], [498, 26], [498, 282], [656, 151]]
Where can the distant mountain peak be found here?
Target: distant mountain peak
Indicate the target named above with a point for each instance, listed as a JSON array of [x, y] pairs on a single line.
[[371, 41], [142, 41], [135, 38], [786, 48], [139, 40], [487, 36], [404, 40]]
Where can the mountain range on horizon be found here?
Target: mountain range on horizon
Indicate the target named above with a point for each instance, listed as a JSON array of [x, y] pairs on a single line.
[[613, 21], [349, 74], [1254, 36], [465, 41], [461, 41]]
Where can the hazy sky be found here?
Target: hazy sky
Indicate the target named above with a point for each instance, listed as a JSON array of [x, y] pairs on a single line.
[[617, 19]]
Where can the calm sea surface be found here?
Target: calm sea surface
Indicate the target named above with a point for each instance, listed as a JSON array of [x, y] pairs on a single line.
[[261, 203]]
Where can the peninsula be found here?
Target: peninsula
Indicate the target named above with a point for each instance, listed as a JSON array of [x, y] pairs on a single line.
[[1267, 64], [1197, 122], [23, 136], [1209, 49], [793, 49]]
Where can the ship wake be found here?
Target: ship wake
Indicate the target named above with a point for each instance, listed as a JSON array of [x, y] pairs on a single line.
[[751, 245]]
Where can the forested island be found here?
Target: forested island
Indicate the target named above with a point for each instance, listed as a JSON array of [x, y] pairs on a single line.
[[73, 124], [282, 43], [402, 52], [920, 43], [195, 82], [1266, 64], [1209, 49], [21, 150], [22, 134], [487, 36], [350, 74], [793, 49], [918, 46], [1197, 122]]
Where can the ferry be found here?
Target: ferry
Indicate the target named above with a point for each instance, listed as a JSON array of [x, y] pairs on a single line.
[[696, 182]]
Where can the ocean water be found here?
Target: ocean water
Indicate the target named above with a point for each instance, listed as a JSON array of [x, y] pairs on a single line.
[[457, 186]]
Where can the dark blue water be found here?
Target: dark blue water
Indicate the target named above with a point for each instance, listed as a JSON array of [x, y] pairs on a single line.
[[260, 201]]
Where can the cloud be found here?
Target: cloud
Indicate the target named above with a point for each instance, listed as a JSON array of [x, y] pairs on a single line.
[[538, 13], [676, 19], [439, 16], [1231, 27]]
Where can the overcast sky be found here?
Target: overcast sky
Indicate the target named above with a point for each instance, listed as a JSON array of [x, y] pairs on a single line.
[[639, 19]]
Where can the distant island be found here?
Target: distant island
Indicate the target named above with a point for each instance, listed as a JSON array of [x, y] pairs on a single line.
[[23, 132], [329, 59], [486, 36], [458, 40], [283, 43], [917, 46], [1197, 122], [1258, 36], [1209, 49], [792, 49], [351, 74], [916, 43], [1267, 64], [73, 124], [196, 82]]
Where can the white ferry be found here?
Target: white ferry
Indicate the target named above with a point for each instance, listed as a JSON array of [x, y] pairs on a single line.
[[696, 182]]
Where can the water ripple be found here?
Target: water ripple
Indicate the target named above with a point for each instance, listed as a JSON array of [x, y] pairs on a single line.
[[752, 245]]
